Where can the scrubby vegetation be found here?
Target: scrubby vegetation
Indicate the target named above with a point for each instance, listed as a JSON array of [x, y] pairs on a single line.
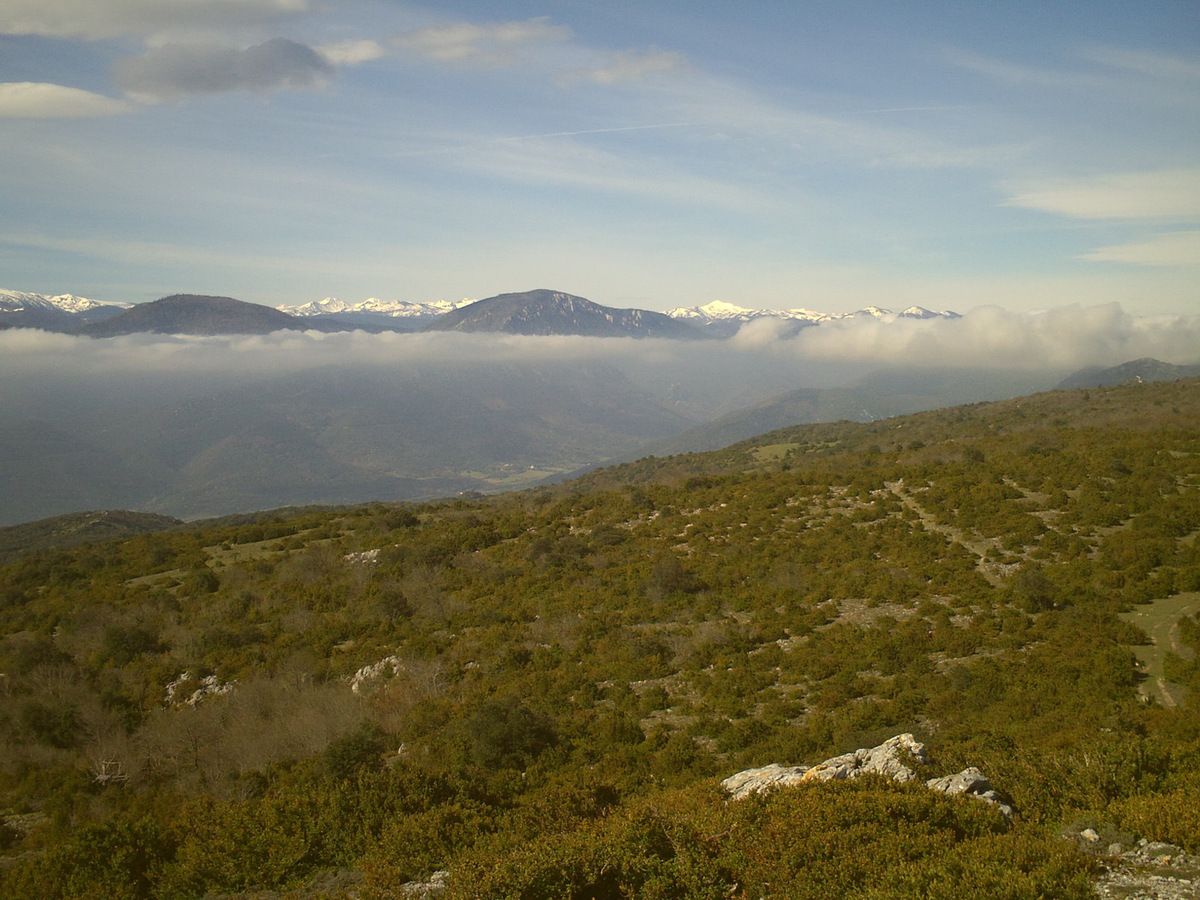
[[539, 691]]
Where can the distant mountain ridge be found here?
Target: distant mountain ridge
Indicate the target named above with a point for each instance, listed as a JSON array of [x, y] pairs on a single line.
[[535, 312], [546, 312]]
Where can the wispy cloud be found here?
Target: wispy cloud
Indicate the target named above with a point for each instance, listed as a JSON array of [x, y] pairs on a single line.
[[36, 100], [559, 160], [98, 19], [1144, 62], [631, 65], [1177, 249], [352, 53], [1022, 74], [176, 70], [1162, 194], [487, 44]]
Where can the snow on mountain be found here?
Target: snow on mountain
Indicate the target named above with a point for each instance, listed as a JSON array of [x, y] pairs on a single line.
[[20, 301], [721, 311], [725, 318], [399, 309]]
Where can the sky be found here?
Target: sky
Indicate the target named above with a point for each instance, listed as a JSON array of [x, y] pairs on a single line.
[[651, 154]]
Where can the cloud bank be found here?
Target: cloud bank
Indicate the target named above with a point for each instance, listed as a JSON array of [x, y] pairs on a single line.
[[1061, 340]]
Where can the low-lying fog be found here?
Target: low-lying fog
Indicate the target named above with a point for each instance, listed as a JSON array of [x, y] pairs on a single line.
[[203, 426]]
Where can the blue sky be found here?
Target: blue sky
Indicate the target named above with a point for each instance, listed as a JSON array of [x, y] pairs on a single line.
[[775, 154]]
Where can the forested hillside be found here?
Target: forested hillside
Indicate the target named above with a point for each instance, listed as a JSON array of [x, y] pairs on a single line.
[[539, 692]]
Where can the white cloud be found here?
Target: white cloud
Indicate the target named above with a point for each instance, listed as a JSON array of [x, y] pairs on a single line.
[[498, 43], [1163, 194], [1181, 248], [633, 65], [1061, 339], [97, 19], [176, 70], [352, 53], [36, 100], [1064, 338]]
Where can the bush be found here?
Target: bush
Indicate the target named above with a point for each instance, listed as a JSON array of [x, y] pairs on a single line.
[[362, 748], [506, 734]]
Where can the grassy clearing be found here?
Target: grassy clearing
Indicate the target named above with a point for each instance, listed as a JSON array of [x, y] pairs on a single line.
[[1160, 620]]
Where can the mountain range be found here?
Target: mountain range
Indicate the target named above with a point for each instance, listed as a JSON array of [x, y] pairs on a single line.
[[59, 312], [536, 312], [725, 319]]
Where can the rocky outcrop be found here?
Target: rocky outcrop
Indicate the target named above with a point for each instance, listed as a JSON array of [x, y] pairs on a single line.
[[425, 890], [755, 781], [895, 759], [972, 782], [388, 667], [890, 759], [1147, 870]]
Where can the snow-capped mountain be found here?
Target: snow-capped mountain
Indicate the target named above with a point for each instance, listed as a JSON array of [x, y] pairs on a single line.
[[726, 318], [397, 309], [60, 312], [720, 311]]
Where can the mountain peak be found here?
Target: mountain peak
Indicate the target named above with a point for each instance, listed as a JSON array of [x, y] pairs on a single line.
[[544, 312], [196, 314]]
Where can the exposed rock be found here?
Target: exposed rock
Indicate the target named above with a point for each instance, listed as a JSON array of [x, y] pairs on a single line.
[[389, 666], [1090, 835], [363, 558], [893, 759], [973, 782], [208, 686], [421, 890], [755, 781], [890, 759], [1151, 871]]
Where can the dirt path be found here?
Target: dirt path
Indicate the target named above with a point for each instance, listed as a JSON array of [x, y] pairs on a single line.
[[977, 547], [1160, 620]]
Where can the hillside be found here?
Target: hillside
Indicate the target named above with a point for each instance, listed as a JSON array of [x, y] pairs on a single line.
[[538, 694], [192, 445], [553, 312], [878, 396], [60, 532], [1137, 371]]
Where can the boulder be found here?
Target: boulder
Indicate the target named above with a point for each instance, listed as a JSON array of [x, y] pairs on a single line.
[[974, 783], [890, 759], [755, 781]]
